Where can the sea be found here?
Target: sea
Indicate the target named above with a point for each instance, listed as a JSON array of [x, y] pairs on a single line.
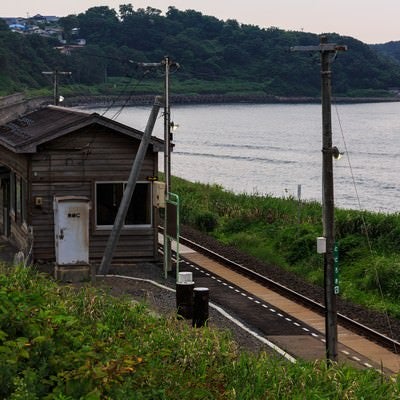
[[275, 149]]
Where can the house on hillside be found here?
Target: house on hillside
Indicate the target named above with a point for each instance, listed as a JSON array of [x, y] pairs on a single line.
[[62, 174]]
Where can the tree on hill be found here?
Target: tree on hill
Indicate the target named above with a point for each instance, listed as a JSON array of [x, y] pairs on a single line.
[[390, 49], [22, 60], [208, 49]]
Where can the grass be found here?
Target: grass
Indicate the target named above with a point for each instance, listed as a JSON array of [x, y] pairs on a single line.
[[66, 343], [117, 86], [283, 231]]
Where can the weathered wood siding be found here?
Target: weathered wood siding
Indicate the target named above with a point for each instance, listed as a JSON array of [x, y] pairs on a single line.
[[18, 164], [71, 165]]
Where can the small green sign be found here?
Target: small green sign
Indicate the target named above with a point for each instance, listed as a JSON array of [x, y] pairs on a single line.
[[336, 267]]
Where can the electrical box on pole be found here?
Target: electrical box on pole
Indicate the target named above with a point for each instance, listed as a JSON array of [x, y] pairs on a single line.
[[159, 194]]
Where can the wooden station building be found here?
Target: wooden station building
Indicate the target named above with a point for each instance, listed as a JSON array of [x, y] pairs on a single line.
[[63, 173]]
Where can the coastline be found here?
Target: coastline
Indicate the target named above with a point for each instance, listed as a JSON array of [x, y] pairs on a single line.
[[17, 104], [182, 99]]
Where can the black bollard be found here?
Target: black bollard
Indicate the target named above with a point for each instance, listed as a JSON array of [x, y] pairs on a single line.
[[184, 300], [184, 295], [200, 306]]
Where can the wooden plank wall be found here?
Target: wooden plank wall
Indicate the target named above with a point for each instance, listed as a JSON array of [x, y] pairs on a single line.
[[17, 163], [71, 165]]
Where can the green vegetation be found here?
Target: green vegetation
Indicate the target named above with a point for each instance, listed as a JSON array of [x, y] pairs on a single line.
[[214, 55], [22, 60], [390, 49], [70, 343], [127, 86], [284, 232]]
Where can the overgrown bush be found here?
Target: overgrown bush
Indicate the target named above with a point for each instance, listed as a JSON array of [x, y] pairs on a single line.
[[63, 343], [382, 274], [206, 221]]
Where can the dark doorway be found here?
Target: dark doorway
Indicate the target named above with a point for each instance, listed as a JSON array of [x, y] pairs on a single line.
[[5, 199]]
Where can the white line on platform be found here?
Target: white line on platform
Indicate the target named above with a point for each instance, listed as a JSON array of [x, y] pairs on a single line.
[[220, 310]]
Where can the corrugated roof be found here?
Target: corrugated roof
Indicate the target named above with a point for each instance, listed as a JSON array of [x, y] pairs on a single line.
[[24, 134]]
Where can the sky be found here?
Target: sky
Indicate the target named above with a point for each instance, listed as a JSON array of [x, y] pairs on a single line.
[[370, 21]]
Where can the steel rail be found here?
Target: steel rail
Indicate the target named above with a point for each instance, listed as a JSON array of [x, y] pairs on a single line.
[[349, 323]]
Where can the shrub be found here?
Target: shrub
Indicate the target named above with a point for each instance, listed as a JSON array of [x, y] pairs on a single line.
[[352, 247], [382, 274], [63, 344], [206, 221]]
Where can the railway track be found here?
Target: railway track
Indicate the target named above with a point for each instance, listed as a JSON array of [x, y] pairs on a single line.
[[354, 326]]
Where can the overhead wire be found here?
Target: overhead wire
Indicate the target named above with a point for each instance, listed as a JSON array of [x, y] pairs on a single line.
[[116, 99], [364, 224], [129, 97]]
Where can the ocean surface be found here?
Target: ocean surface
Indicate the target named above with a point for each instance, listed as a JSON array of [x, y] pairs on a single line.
[[275, 149]]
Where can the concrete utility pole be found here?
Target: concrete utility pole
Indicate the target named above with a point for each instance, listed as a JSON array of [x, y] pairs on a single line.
[[326, 50], [129, 189], [167, 165], [167, 64], [55, 75]]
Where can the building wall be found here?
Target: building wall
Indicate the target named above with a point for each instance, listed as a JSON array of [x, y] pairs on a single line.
[[18, 169], [70, 166], [16, 162]]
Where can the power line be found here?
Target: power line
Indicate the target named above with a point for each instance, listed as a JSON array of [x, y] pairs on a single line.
[[364, 224]]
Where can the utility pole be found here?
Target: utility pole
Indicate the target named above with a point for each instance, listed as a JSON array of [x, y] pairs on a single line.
[[55, 75], [326, 50], [166, 63], [167, 165], [128, 192]]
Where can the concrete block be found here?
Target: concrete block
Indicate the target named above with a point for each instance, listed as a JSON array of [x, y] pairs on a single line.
[[72, 273]]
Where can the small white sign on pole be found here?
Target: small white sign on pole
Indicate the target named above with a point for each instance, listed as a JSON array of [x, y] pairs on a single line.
[[321, 245]]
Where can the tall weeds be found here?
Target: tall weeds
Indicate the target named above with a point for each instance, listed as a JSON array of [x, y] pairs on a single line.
[[284, 231]]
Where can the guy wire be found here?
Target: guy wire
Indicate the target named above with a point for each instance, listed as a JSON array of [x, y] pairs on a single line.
[[364, 223]]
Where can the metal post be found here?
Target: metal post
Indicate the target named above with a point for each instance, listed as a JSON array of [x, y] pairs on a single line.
[[130, 187], [55, 91], [326, 50]]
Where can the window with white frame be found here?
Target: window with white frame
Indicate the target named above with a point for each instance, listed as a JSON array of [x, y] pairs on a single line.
[[108, 199]]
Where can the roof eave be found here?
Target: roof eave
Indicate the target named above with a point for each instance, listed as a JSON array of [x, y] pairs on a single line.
[[158, 144], [31, 145]]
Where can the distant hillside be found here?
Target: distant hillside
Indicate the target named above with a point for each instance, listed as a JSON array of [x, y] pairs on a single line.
[[390, 49], [215, 52]]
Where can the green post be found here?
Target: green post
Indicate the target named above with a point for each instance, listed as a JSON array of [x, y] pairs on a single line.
[[172, 228]]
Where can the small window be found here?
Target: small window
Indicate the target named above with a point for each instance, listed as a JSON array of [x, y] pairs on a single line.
[[108, 199]]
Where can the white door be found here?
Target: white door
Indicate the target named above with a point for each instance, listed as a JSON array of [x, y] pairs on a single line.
[[71, 230]]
